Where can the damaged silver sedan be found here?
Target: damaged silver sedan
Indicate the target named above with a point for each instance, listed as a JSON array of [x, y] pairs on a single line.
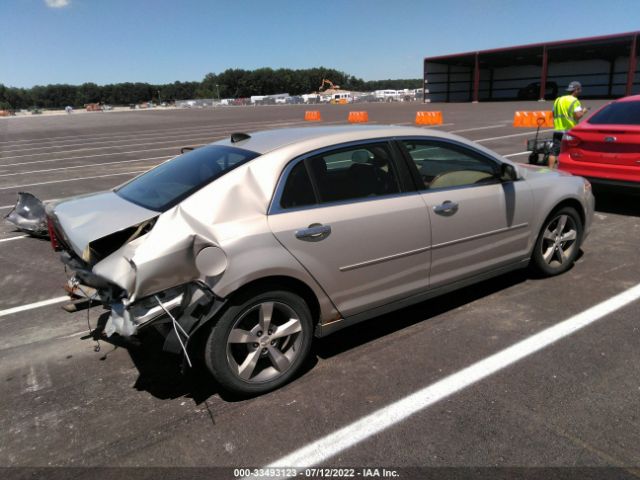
[[255, 243]]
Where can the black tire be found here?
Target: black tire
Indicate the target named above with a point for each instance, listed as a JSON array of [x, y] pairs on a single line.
[[533, 159], [276, 359], [551, 254]]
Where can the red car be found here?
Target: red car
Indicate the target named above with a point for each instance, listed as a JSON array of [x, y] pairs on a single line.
[[605, 148]]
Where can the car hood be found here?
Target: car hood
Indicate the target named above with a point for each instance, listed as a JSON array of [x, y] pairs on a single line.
[[88, 218]]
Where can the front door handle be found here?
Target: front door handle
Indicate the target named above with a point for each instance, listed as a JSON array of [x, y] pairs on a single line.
[[314, 232], [446, 208]]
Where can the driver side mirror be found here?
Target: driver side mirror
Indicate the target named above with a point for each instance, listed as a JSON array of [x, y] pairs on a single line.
[[508, 173]]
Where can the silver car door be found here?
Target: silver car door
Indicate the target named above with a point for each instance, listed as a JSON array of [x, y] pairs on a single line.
[[343, 216], [478, 223]]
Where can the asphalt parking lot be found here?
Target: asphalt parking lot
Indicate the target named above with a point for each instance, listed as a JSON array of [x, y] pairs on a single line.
[[573, 403]]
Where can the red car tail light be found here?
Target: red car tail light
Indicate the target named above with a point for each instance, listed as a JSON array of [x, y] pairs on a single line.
[[569, 141], [52, 235]]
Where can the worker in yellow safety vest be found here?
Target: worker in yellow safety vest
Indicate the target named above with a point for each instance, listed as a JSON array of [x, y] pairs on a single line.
[[567, 111]]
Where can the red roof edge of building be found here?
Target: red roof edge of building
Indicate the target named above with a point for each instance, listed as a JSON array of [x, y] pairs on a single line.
[[534, 45]]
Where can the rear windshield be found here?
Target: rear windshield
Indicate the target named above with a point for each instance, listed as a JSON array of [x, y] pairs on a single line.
[[171, 182], [621, 113]]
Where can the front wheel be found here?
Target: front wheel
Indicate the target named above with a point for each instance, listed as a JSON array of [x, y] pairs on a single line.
[[558, 243], [533, 158], [259, 342]]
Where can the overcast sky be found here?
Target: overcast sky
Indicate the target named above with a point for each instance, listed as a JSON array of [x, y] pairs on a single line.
[[160, 41]]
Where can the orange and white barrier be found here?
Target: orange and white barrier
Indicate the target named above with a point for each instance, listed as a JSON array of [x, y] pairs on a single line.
[[312, 116], [428, 118], [533, 119], [358, 117]]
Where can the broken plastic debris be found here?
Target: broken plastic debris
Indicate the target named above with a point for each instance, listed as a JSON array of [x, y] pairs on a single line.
[[29, 216], [120, 321]]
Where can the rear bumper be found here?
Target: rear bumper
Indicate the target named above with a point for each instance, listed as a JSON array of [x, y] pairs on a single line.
[[601, 173]]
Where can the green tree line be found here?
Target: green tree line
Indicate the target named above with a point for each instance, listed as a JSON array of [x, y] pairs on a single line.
[[232, 83]]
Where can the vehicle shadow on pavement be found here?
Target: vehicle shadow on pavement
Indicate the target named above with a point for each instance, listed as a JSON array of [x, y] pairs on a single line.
[[165, 375], [161, 374], [608, 201], [378, 327]]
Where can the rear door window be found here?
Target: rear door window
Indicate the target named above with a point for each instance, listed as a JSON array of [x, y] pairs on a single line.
[[298, 191], [356, 172]]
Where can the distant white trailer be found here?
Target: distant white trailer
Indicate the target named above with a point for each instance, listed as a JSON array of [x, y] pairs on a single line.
[[342, 97], [387, 95]]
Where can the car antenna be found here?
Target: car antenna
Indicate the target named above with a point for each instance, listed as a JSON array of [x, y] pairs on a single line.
[[238, 137]]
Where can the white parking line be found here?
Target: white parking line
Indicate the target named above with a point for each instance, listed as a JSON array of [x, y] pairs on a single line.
[[510, 136], [89, 137], [478, 128], [435, 126], [516, 154], [422, 126], [170, 147], [165, 139], [71, 180], [216, 132], [85, 166], [319, 451], [12, 238], [77, 334], [120, 139], [31, 306]]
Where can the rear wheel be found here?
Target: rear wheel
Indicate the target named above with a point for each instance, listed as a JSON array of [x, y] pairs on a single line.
[[558, 243], [533, 158], [260, 342]]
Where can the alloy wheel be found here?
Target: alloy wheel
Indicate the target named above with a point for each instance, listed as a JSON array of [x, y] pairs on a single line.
[[264, 342], [559, 241]]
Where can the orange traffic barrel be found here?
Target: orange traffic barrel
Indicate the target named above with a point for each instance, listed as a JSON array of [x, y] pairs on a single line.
[[533, 119], [358, 117], [312, 116], [429, 118], [517, 119]]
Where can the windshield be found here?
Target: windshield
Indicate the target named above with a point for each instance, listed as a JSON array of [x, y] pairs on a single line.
[[621, 113], [171, 182]]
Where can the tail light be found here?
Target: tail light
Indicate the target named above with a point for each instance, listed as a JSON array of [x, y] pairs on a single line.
[[569, 141], [52, 235]]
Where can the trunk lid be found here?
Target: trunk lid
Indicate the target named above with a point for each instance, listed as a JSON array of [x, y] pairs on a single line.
[[89, 218], [608, 144]]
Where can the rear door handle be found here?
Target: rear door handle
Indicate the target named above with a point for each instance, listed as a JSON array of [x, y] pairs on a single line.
[[446, 208], [314, 232]]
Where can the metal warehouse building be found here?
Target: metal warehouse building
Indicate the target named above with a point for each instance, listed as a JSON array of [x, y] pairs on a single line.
[[607, 66]]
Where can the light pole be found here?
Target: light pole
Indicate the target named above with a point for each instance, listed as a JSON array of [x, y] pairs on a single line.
[[218, 90]]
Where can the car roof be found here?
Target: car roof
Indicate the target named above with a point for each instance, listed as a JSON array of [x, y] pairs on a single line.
[[268, 140], [631, 98]]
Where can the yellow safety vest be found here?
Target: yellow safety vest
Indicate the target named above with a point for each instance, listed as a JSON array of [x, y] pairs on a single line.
[[563, 113]]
